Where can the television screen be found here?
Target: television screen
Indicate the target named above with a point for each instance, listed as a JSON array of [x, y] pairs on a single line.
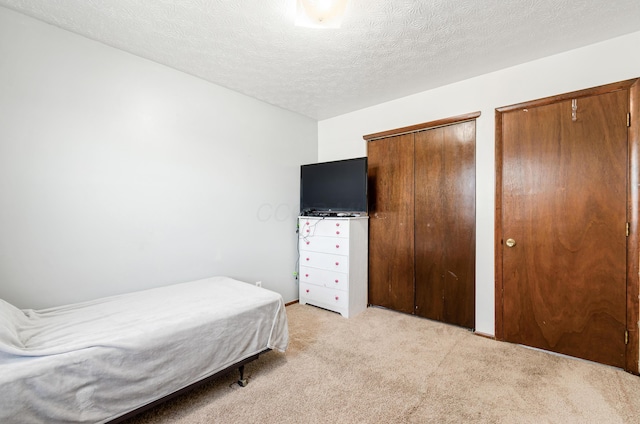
[[338, 186]]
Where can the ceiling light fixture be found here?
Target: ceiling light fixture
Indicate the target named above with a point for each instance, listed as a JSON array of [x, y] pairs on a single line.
[[320, 13]]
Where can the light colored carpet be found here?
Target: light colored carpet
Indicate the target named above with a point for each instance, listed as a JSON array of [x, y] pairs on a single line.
[[386, 367]]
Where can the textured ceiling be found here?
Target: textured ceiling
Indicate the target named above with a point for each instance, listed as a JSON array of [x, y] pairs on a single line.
[[384, 50]]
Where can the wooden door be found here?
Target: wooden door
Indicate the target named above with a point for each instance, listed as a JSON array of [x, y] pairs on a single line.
[[390, 168], [564, 205], [445, 224]]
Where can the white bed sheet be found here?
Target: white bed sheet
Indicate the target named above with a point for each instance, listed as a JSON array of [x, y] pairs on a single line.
[[94, 361]]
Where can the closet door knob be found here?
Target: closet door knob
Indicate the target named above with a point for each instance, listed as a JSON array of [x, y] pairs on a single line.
[[510, 242]]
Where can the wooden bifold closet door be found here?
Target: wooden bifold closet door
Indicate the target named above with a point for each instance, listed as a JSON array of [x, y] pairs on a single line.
[[444, 234], [391, 253], [422, 220]]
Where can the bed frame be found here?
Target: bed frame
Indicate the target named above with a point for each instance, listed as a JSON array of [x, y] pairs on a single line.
[[109, 359], [241, 382]]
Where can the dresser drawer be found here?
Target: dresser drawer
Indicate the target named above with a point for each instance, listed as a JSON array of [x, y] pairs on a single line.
[[324, 297], [335, 245], [324, 227], [326, 261], [322, 277]]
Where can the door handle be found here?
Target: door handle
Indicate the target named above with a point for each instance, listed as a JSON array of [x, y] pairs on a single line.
[[510, 242]]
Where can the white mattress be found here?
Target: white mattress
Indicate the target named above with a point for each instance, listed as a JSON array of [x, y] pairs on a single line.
[[94, 361]]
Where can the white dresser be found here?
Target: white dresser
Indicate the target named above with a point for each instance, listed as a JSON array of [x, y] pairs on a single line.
[[333, 268]]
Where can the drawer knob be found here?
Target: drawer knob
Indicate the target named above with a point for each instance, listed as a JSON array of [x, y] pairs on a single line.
[[307, 230], [337, 263], [337, 232], [307, 258], [307, 290], [337, 298], [306, 275], [307, 222], [337, 281], [337, 224], [308, 242]]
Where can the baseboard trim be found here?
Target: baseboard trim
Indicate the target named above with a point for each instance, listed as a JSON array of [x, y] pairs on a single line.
[[486, 336]]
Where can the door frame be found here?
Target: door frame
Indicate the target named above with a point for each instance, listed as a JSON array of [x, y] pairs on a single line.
[[633, 208]]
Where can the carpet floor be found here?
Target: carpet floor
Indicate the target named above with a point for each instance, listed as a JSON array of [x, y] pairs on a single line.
[[383, 366]]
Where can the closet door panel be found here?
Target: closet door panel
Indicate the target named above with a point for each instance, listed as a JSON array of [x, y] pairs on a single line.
[[430, 224], [391, 216], [458, 209], [445, 223]]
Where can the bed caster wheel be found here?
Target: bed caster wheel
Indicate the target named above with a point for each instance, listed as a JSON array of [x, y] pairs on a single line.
[[243, 382]]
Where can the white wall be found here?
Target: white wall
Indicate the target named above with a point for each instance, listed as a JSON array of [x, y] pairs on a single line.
[[598, 64], [118, 174]]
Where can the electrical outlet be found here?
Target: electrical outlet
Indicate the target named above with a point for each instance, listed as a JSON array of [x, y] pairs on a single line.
[[258, 283]]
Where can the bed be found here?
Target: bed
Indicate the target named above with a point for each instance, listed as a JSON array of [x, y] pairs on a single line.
[[102, 360]]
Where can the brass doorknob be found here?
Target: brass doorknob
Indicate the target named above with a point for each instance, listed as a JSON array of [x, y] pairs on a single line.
[[510, 242]]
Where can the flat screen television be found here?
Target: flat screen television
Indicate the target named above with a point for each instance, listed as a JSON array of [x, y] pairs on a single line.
[[338, 187]]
